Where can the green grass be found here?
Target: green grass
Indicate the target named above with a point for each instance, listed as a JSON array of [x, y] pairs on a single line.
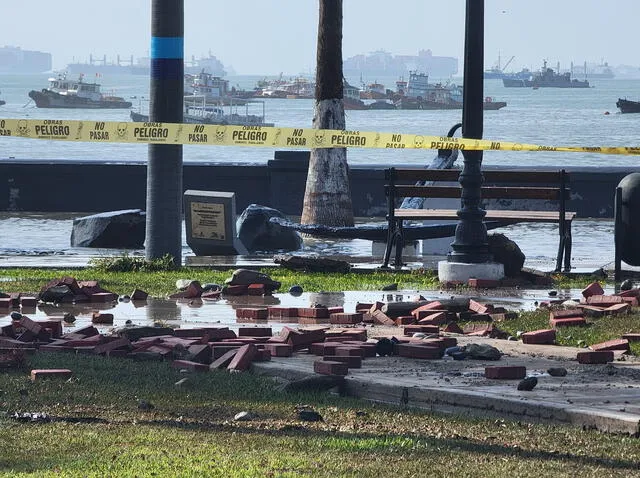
[[162, 283], [191, 431]]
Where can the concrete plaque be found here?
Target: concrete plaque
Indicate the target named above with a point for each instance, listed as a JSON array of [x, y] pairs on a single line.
[[210, 221]]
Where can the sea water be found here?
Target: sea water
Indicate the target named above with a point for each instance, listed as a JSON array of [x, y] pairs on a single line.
[[547, 116]]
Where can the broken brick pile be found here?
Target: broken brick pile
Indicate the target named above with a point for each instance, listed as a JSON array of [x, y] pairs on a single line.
[[593, 304], [338, 349]]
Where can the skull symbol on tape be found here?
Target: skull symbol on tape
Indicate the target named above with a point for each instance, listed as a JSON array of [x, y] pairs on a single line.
[[220, 132], [23, 128], [418, 141], [318, 138], [121, 130]]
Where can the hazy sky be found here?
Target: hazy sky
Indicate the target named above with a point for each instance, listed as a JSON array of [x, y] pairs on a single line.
[[273, 36]]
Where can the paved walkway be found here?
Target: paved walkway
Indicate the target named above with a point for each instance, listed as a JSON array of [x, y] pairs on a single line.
[[604, 397]]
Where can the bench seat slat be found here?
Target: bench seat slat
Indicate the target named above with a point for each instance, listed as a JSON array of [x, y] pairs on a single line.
[[490, 192], [516, 216]]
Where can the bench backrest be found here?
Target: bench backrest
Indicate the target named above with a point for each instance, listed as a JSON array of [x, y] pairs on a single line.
[[515, 184]]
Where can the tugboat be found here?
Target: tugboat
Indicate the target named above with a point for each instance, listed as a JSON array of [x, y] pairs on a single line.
[[422, 95], [64, 93]]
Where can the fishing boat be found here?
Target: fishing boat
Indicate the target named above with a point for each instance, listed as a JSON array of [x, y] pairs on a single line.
[[213, 89], [628, 106], [351, 97], [422, 95], [65, 93], [198, 111]]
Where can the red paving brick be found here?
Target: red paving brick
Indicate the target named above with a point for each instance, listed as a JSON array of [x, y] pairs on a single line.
[[595, 357]]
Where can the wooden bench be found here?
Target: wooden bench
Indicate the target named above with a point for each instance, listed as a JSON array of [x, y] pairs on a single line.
[[413, 182]]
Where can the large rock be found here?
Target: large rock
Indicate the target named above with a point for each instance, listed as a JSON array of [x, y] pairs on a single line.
[[257, 233], [115, 229], [506, 252]]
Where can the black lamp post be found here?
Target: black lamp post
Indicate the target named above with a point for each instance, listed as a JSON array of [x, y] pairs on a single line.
[[470, 244], [164, 166]]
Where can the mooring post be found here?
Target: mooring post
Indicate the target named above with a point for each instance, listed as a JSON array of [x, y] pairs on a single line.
[[470, 245], [164, 166]]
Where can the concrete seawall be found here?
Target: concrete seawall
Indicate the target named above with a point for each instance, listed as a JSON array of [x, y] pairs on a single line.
[[96, 186]]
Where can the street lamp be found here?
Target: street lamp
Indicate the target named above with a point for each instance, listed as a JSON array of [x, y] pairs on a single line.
[[470, 255]]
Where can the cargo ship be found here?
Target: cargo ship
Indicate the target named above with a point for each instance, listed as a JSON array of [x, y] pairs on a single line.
[[15, 60], [382, 64], [142, 66]]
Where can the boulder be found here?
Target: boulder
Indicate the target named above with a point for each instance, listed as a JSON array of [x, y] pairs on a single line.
[[258, 233], [506, 252], [248, 277], [123, 229]]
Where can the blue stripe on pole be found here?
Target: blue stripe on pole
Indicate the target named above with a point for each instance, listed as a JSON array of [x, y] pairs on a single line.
[[167, 47], [167, 69]]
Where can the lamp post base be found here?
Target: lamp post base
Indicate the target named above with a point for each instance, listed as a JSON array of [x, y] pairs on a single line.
[[463, 271]]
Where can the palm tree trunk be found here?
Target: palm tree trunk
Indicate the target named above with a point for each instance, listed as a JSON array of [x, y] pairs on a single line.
[[327, 198]]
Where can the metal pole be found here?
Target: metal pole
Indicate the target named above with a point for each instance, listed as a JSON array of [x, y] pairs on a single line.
[[470, 245], [164, 167]]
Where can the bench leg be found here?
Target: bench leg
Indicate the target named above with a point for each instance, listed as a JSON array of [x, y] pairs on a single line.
[[391, 237], [399, 240], [567, 246], [561, 249]]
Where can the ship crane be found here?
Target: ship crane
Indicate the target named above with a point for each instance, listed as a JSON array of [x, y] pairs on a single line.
[[507, 63]]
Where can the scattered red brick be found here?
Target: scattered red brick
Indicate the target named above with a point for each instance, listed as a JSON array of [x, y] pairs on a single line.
[[314, 312], [138, 294], [604, 300], [616, 344], [223, 360], [595, 357], [282, 312], [330, 368], [350, 360], [38, 374], [592, 289], [568, 322], [280, 350], [253, 313], [381, 318], [405, 320], [546, 336], [483, 283]]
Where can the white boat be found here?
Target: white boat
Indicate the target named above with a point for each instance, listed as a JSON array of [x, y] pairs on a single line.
[[65, 93], [198, 111], [213, 89]]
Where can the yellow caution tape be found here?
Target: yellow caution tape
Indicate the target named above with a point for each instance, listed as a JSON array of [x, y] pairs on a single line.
[[263, 136]]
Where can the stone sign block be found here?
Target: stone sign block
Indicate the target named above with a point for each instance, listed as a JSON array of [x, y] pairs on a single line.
[[210, 221]]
